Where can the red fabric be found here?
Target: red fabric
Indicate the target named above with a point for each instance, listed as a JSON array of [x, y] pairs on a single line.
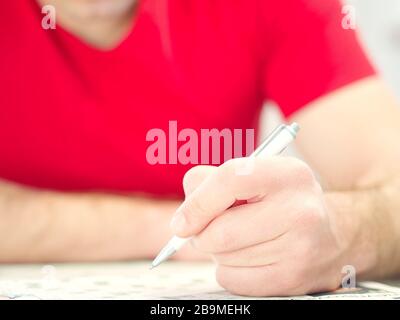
[[75, 118]]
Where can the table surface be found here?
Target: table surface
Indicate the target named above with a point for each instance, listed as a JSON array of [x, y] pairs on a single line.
[[134, 280]]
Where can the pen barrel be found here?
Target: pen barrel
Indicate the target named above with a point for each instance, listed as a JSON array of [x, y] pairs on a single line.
[[278, 141], [178, 242]]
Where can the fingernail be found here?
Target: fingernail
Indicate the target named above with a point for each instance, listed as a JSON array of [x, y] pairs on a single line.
[[178, 222]]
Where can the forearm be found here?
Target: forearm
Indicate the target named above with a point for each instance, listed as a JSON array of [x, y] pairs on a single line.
[[350, 138], [367, 221], [42, 226]]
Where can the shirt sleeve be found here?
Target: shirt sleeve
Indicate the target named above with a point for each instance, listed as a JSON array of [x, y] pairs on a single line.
[[309, 52]]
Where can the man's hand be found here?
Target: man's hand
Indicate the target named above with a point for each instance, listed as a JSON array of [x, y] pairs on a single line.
[[281, 239]]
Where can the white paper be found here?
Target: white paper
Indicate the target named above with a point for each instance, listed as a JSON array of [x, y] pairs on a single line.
[[134, 280]]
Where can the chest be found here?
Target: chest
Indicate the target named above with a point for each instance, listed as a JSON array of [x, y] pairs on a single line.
[[74, 118]]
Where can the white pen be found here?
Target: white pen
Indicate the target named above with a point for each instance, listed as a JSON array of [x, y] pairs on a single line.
[[274, 144]]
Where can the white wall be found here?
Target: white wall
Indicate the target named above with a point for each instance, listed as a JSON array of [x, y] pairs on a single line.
[[378, 22], [379, 25]]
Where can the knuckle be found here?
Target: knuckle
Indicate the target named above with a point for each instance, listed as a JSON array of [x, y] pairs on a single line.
[[229, 164], [235, 166], [301, 172], [226, 168], [243, 177], [189, 177], [310, 212], [225, 173], [194, 176]]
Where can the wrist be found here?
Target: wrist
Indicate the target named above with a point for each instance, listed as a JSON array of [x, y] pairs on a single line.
[[357, 233], [387, 213]]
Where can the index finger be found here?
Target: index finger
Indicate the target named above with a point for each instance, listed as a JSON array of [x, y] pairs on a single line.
[[221, 189]]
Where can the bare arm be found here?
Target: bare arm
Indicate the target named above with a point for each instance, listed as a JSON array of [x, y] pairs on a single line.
[[38, 225], [351, 138]]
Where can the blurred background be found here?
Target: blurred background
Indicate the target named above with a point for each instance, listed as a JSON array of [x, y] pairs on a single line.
[[378, 23]]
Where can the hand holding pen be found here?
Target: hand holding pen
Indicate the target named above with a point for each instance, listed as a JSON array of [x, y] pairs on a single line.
[[274, 144], [266, 244]]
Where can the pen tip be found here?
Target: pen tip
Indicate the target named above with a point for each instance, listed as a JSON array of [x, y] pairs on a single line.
[[152, 266]]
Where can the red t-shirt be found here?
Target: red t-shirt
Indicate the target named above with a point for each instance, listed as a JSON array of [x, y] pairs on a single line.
[[73, 117]]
